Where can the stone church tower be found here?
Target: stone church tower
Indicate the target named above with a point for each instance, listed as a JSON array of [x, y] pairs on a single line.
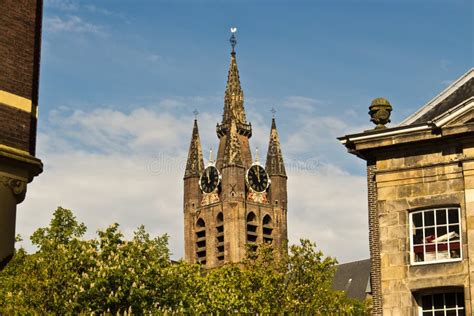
[[233, 202]]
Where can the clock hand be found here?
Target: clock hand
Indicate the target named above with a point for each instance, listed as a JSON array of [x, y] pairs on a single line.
[[258, 174], [207, 175]]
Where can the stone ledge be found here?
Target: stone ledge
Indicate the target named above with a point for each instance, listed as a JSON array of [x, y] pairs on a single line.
[[21, 159]]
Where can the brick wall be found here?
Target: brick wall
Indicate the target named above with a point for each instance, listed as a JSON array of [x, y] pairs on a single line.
[[15, 127], [374, 240], [20, 42]]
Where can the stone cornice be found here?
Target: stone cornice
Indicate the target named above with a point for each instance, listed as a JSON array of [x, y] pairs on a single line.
[[17, 157], [364, 143]]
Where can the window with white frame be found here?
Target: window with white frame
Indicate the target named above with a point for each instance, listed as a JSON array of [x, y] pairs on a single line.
[[435, 235], [443, 304]]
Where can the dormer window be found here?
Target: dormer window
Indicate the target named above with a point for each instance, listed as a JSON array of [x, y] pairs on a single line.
[[435, 235]]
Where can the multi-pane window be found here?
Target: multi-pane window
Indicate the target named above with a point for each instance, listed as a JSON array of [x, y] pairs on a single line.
[[442, 304], [435, 235]]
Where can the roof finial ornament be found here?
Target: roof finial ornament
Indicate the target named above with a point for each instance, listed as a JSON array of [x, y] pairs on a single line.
[[232, 40], [196, 113], [379, 111], [257, 158], [273, 112]]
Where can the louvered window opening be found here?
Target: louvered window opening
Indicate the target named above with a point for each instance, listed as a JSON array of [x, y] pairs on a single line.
[[201, 241], [220, 237], [267, 229], [252, 230]]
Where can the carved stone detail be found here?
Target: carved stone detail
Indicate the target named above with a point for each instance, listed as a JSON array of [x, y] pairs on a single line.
[[209, 198], [17, 186], [379, 112], [258, 197]]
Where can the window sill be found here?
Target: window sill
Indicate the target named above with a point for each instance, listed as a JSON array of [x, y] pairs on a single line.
[[417, 264]]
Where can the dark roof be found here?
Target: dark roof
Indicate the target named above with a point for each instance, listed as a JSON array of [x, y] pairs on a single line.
[[462, 93], [353, 278]]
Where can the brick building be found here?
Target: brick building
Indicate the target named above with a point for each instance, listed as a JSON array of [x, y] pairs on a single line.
[[420, 178], [20, 43], [233, 202]]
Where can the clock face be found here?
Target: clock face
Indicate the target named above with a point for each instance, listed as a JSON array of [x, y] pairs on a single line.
[[257, 178], [209, 179]]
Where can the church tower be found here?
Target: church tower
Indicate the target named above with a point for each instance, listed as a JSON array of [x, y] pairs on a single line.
[[233, 202]]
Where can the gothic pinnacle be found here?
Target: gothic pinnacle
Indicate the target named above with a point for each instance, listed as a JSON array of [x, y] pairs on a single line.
[[274, 164], [232, 151], [195, 162]]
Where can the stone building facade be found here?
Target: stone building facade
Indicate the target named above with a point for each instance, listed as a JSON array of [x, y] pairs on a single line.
[[233, 202], [20, 43], [421, 206]]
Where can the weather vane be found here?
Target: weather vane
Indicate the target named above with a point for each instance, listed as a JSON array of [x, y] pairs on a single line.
[[232, 40], [195, 112], [273, 112]]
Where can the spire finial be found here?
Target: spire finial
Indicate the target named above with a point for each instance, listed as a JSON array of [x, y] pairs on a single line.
[[273, 112], [196, 113], [211, 159], [257, 158], [232, 40]]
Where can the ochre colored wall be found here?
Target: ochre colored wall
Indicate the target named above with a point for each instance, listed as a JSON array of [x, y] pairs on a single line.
[[432, 174]]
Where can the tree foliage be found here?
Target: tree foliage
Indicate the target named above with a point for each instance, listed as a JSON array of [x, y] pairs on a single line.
[[110, 275]]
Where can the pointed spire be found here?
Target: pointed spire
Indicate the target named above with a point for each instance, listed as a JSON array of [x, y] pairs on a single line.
[[195, 163], [274, 164], [233, 152], [234, 95]]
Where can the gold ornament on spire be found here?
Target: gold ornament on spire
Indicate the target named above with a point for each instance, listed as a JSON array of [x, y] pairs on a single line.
[[233, 40]]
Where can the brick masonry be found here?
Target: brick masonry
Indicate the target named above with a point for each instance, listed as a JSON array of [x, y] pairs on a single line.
[[374, 240], [15, 125], [20, 43]]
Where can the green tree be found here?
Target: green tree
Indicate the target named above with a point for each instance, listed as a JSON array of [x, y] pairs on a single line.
[[110, 275]]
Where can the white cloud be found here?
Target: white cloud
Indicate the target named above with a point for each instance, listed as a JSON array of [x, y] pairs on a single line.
[[111, 166], [72, 23], [316, 131], [300, 103], [330, 208], [107, 130], [63, 5], [154, 58]]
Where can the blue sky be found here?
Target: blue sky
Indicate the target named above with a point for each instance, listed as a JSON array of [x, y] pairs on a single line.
[[120, 79]]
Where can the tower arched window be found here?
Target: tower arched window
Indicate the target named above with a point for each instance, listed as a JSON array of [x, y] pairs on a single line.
[[220, 236], [252, 229], [201, 241], [267, 226]]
